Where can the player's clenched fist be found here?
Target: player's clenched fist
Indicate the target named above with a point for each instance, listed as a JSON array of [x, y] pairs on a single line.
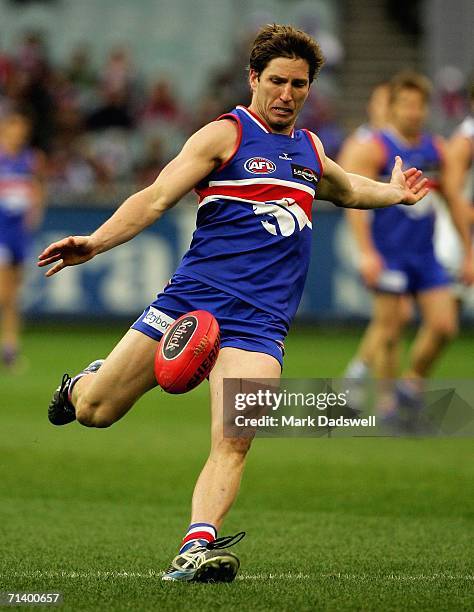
[[69, 251]]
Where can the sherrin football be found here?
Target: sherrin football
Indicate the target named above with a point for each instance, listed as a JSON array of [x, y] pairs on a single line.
[[187, 352]]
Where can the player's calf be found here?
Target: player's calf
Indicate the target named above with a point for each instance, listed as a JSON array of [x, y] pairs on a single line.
[[97, 414]]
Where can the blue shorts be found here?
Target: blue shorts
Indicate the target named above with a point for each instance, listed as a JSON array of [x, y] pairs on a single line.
[[411, 273], [14, 243], [242, 325]]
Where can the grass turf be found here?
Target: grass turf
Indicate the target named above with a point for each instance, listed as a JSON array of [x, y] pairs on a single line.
[[332, 524]]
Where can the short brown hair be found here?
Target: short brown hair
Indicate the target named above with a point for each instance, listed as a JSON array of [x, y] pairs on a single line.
[[274, 40], [409, 79]]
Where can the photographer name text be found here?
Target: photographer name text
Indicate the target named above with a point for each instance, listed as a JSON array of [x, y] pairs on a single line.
[[320, 420]]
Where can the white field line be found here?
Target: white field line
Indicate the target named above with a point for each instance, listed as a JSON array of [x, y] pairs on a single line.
[[153, 574]]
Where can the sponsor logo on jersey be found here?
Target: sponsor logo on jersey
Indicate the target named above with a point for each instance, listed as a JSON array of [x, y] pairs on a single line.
[[157, 319], [260, 165], [302, 172], [285, 156]]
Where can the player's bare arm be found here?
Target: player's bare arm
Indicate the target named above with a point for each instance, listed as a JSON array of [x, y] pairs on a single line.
[[456, 159], [355, 191], [206, 150], [459, 152]]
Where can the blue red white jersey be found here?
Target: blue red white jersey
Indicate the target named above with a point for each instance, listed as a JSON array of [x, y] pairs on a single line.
[[253, 229], [16, 184], [407, 227]]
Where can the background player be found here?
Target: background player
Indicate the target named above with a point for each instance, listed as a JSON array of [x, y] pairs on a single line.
[[21, 210], [370, 267], [377, 113], [459, 185], [397, 246], [256, 178]]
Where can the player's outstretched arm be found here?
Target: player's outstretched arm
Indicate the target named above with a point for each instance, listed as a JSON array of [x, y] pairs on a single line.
[[201, 154], [355, 191]]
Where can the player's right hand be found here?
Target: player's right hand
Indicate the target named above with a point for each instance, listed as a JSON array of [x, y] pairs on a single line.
[[370, 267], [69, 251]]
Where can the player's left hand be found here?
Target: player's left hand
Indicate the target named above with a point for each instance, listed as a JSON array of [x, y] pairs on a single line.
[[70, 251], [409, 182]]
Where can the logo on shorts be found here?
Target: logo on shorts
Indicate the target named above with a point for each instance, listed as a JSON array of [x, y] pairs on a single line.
[[260, 165], [302, 172], [157, 319]]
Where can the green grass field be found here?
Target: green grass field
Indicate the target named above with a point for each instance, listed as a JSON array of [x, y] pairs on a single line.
[[332, 524]]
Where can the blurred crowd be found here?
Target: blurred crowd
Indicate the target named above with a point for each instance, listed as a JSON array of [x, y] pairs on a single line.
[[111, 125], [96, 127]]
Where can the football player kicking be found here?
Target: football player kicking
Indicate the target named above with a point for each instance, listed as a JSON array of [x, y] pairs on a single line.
[[256, 178]]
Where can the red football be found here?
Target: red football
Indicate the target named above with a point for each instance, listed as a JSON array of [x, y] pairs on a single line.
[[187, 352]]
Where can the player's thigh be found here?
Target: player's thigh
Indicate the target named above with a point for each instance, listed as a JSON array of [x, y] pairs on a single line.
[[126, 374], [388, 310], [407, 309], [236, 363], [438, 309]]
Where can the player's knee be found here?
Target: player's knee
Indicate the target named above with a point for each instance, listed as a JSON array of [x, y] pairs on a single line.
[[445, 329], [390, 336]]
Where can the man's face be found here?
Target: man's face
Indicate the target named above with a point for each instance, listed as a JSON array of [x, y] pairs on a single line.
[[408, 112], [280, 91]]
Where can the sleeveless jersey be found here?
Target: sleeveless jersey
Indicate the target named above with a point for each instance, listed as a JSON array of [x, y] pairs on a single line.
[[402, 228], [16, 187], [253, 229]]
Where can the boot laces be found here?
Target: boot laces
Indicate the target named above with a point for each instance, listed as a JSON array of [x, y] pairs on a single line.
[[226, 541], [66, 379]]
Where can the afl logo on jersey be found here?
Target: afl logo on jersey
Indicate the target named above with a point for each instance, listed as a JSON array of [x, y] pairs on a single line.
[[259, 165]]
